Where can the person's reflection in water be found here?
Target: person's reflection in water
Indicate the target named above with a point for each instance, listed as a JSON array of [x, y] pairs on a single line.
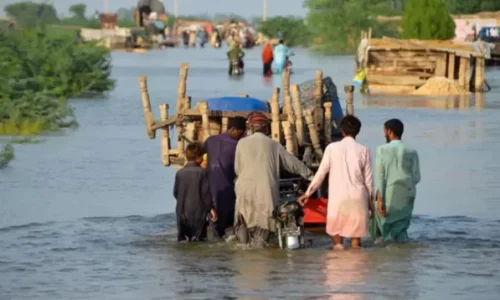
[[268, 80], [252, 274], [360, 275], [345, 274]]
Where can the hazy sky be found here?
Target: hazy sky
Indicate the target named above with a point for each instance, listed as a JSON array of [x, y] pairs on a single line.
[[245, 8]]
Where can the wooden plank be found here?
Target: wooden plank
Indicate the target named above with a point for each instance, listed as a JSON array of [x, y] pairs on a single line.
[[390, 89], [451, 66], [400, 73], [461, 72], [467, 74], [441, 66], [390, 55], [395, 80]]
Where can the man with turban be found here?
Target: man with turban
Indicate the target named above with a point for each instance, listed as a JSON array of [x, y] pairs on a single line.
[[257, 166]]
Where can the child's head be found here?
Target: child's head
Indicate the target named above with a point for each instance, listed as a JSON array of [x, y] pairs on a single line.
[[194, 152]]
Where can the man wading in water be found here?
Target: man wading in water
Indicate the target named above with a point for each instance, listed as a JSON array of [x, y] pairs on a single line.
[[397, 174], [221, 150], [257, 166], [350, 189]]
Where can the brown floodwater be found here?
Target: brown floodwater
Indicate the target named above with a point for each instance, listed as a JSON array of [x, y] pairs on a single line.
[[88, 213]]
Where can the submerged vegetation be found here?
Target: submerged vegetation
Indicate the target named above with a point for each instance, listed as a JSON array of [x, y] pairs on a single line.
[[40, 71], [6, 155]]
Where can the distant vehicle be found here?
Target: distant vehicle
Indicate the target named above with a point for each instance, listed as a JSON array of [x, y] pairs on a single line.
[[491, 34]]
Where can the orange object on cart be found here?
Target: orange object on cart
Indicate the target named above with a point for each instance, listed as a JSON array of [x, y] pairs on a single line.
[[315, 214]]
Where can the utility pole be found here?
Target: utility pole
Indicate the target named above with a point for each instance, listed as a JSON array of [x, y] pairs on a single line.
[[176, 8], [264, 10], [106, 6]]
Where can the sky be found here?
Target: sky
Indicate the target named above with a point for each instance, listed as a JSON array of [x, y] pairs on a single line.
[[245, 8]]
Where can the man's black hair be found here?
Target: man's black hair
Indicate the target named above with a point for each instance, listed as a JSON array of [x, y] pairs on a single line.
[[350, 125], [282, 41], [238, 123], [396, 126]]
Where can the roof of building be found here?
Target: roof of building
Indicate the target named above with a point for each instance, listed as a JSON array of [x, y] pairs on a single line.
[[480, 49]]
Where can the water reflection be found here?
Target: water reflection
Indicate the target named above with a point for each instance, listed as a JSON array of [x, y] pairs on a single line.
[[252, 271], [345, 273], [462, 102]]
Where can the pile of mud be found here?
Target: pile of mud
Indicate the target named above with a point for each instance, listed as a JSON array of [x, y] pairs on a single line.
[[440, 86]]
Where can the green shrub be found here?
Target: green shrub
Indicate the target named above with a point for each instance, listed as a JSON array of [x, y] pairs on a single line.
[[427, 20], [40, 71], [294, 30], [6, 155]]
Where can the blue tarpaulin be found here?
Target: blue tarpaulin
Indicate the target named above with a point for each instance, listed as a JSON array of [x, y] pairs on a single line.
[[238, 104]]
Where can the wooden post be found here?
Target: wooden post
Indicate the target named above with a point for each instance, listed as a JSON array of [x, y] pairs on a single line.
[[318, 96], [349, 99], [451, 66], [440, 69], [179, 126], [313, 134], [275, 113], [187, 103], [190, 130], [285, 76], [369, 33], [328, 122], [165, 136], [461, 72], [181, 91], [467, 75], [288, 109], [205, 123], [225, 120], [299, 125], [146, 104], [479, 79], [287, 130]]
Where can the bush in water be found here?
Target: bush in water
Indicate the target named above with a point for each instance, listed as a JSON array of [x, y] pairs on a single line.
[[6, 155], [40, 71]]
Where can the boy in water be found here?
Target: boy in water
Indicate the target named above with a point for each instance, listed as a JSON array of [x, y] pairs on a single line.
[[192, 193]]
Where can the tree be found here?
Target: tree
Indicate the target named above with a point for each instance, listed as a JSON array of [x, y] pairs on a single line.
[[427, 20], [472, 6], [294, 30], [336, 24], [29, 14], [78, 10]]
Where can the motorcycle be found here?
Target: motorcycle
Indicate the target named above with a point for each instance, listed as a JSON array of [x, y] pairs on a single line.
[[288, 216], [235, 68]]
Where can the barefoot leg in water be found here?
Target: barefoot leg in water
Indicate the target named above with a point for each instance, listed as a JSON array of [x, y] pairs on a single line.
[[338, 242], [355, 243]]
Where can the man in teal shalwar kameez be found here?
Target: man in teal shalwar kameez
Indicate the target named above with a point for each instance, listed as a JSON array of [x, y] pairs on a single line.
[[397, 174]]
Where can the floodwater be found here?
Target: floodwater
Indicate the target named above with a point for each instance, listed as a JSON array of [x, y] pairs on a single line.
[[87, 214]]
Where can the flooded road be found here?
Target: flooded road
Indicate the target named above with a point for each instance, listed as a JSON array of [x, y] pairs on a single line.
[[87, 214]]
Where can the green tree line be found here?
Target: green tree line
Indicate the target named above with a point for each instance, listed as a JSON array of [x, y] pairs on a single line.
[[334, 26], [29, 14]]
